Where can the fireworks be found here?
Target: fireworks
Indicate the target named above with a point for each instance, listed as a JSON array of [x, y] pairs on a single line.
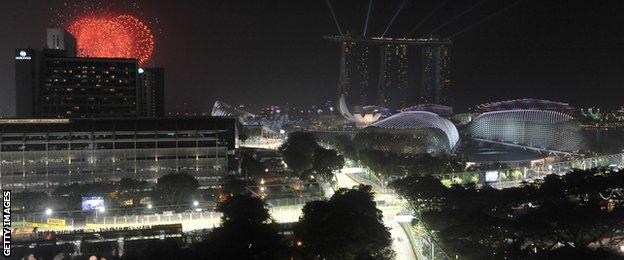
[[112, 36]]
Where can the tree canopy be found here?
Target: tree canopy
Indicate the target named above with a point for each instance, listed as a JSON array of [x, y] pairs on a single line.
[[326, 162], [245, 232], [299, 150], [575, 210], [347, 226], [304, 156], [175, 189]]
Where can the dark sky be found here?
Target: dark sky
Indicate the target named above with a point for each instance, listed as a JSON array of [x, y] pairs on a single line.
[[271, 51]]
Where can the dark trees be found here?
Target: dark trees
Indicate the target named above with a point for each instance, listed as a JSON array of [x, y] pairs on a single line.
[[175, 189], [572, 211], [326, 162], [244, 232], [348, 226], [298, 151], [250, 166], [304, 156]]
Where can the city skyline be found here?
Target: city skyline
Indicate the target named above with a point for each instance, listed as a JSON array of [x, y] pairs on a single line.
[[514, 55], [312, 129]]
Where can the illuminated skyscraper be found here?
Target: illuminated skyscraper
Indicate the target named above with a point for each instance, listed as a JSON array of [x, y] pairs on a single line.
[[405, 71], [54, 83], [393, 89], [354, 77], [436, 74]]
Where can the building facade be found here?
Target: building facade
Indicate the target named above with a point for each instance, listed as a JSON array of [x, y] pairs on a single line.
[[151, 92], [73, 87], [60, 39], [40, 154], [411, 132], [26, 81], [54, 83], [436, 75], [542, 129]]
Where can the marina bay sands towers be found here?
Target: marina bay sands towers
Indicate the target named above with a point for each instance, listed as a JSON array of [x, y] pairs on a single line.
[[393, 73]]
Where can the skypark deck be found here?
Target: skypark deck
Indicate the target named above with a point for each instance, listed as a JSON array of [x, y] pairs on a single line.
[[379, 40]]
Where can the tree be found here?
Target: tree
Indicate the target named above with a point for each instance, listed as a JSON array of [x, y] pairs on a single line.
[[243, 134], [127, 184], [425, 193], [348, 226], [243, 209], [326, 162], [235, 186], [250, 166], [298, 151], [176, 188], [244, 232], [30, 201], [576, 210]]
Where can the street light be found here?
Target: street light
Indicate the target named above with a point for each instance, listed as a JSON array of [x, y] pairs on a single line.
[[195, 203], [149, 206], [102, 209], [48, 211]]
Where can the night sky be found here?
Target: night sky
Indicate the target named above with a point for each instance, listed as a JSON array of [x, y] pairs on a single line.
[[271, 52]]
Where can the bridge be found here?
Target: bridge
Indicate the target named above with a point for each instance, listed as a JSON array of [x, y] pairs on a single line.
[[525, 147]]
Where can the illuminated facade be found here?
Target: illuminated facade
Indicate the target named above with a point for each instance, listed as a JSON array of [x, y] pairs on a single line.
[[413, 132], [220, 108], [53, 83], [392, 66], [532, 128], [39, 154], [393, 80], [436, 75], [528, 104], [87, 87]]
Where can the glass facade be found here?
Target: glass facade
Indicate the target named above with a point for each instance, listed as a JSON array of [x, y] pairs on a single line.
[[43, 153], [412, 132], [533, 128]]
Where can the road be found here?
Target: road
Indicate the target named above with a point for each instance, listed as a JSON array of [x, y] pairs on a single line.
[[389, 205]]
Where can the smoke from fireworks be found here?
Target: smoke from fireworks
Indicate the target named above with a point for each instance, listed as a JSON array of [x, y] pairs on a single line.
[[113, 36]]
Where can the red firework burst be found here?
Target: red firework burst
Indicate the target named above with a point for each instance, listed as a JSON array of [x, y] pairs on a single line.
[[113, 36]]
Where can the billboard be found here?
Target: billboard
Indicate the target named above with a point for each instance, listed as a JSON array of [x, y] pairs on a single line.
[[491, 176], [92, 203]]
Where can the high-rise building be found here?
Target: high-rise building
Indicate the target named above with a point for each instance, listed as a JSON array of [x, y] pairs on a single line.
[[26, 81], [392, 88], [54, 83], [87, 87], [152, 92], [60, 39], [436, 74], [405, 72]]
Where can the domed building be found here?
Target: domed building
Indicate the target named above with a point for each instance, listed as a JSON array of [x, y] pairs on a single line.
[[411, 132], [542, 129]]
